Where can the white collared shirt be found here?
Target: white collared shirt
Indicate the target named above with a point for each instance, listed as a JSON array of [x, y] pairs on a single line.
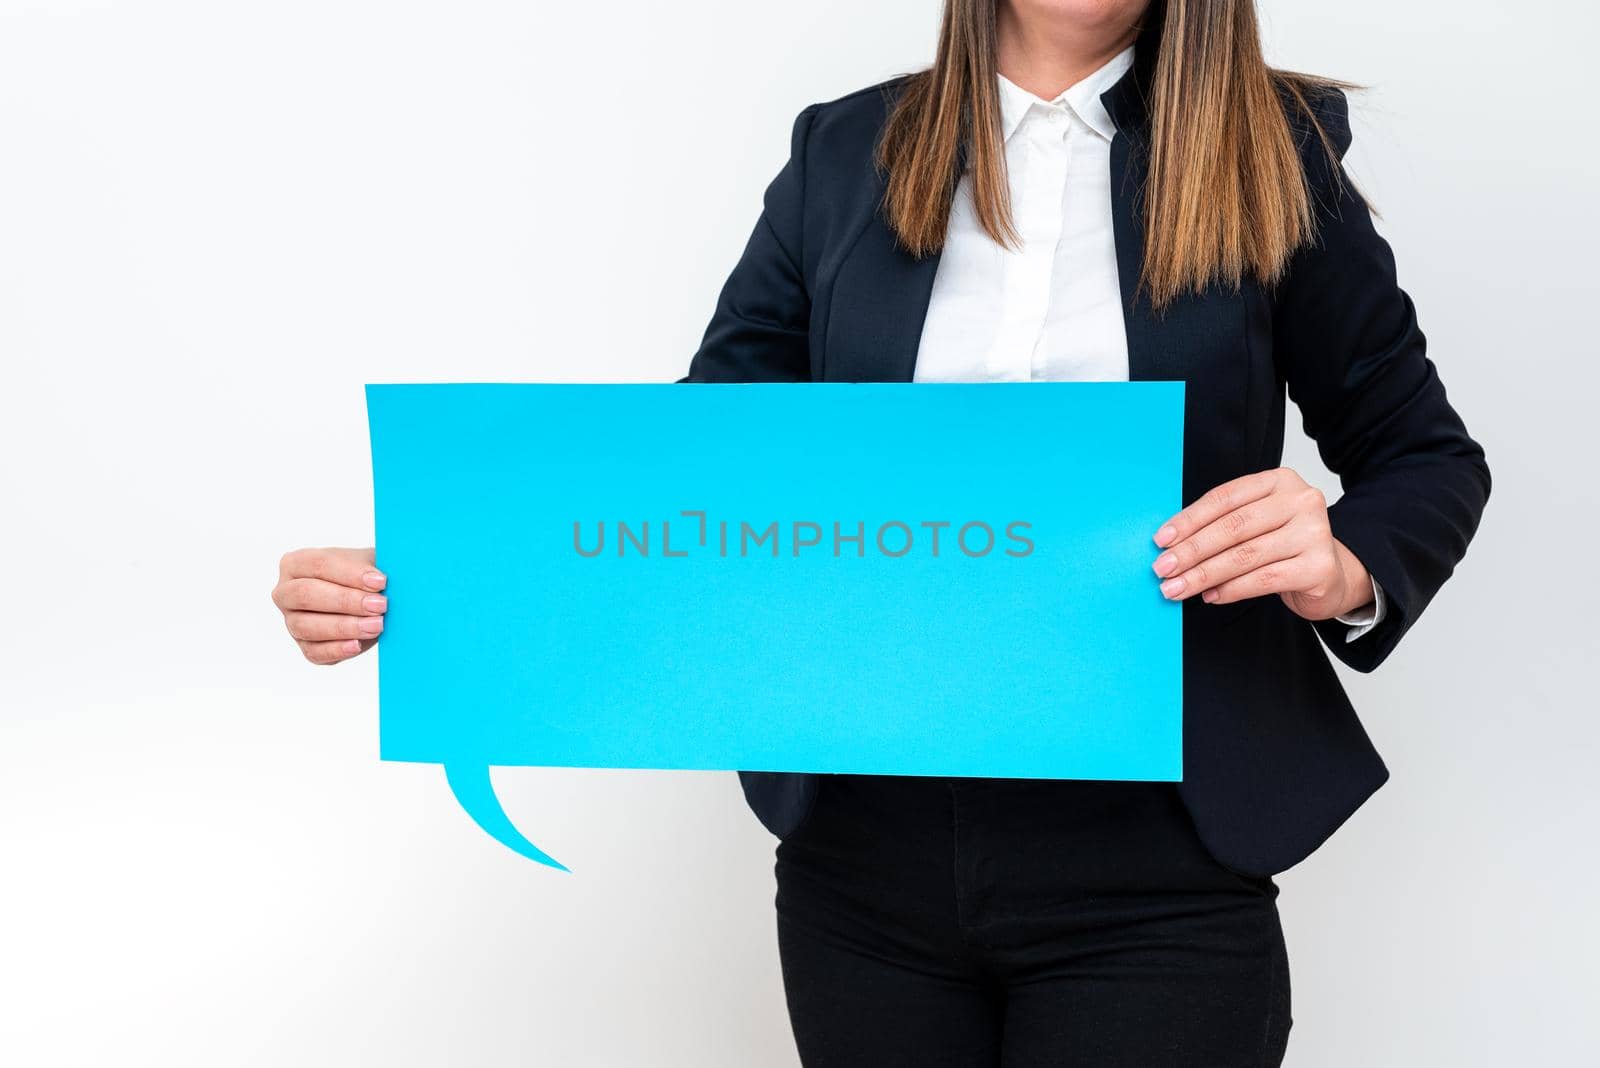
[[1051, 309]]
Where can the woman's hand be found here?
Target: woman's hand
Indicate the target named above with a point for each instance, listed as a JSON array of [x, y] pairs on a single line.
[[331, 601], [1263, 533]]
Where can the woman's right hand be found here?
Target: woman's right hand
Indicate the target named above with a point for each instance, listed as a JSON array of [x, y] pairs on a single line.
[[331, 601]]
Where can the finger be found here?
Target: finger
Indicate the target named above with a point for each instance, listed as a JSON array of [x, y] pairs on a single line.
[[1231, 563], [1232, 528], [317, 595], [325, 626], [342, 567], [1280, 576], [332, 652], [1215, 503]]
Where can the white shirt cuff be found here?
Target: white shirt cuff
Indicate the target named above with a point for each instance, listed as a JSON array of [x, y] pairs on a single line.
[[1364, 619]]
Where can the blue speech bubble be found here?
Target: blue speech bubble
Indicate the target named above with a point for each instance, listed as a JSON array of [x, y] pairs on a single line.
[[874, 579]]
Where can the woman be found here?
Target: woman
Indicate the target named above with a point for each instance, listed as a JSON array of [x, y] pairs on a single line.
[[1093, 190]]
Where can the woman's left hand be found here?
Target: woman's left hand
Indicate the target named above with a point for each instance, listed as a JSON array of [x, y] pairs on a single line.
[[1260, 534]]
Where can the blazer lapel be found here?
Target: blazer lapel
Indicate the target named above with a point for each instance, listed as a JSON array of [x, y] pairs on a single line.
[[1125, 103], [1127, 180], [880, 299]]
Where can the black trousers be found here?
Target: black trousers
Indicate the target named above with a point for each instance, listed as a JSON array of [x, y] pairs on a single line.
[[973, 922]]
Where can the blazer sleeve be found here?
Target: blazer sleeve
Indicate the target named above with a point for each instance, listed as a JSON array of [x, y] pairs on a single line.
[[1354, 360], [761, 329]]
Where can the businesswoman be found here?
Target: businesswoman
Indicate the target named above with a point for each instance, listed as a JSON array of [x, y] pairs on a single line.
[[1108, 190]]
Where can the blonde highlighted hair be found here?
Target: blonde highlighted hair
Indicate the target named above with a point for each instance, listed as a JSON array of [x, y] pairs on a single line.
[[1226, 194]]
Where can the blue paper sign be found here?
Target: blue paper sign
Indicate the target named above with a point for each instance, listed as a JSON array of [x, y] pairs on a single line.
[[892, 579]]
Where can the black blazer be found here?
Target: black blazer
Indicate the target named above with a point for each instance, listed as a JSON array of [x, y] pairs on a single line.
[[1274, 756]]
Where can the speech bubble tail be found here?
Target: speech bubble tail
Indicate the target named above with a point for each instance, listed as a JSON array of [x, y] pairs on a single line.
[[475, 793]]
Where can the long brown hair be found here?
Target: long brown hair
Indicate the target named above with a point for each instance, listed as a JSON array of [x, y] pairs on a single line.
[[1226, 192]]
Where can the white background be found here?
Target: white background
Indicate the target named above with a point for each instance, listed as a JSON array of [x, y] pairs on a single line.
[[217, 220]]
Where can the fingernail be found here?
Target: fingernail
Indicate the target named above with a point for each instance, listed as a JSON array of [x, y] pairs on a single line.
[[374, 580], [1165, 535], [374, 602], [1210, 596], [1172, 587], [371, 626], [352, 647], [1165, 564]]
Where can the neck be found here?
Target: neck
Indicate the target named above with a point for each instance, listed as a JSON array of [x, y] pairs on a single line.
[[1049, 56]]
